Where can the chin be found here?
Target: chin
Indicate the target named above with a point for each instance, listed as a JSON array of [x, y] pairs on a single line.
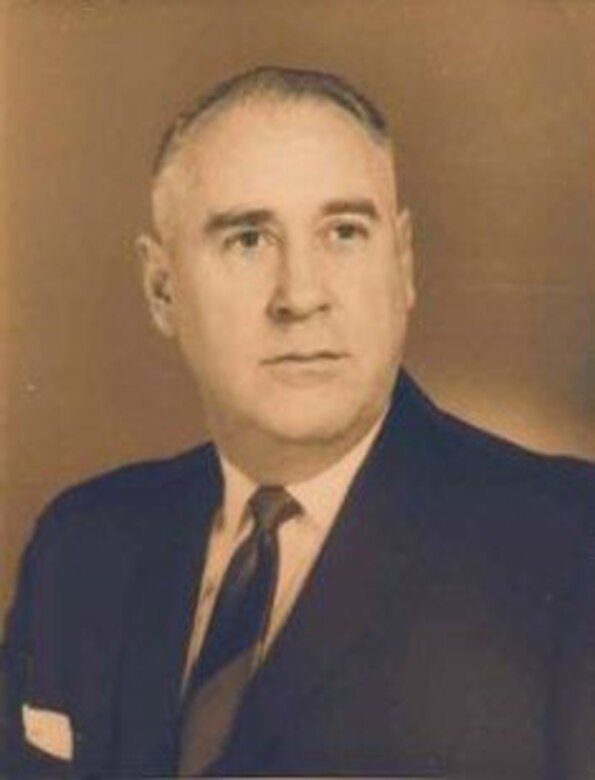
[[316, 421]]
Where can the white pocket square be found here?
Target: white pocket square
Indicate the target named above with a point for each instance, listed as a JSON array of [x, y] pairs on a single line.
[[49, 731]]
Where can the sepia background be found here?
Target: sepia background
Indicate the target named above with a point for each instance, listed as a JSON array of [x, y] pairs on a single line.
[[493, 106]]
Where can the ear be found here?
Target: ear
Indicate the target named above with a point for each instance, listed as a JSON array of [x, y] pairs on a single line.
[[405, 252], [157, 283]]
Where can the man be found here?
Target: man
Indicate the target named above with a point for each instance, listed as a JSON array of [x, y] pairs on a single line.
[[347, 581]]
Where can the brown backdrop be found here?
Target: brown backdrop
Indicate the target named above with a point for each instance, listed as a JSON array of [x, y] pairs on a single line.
[[494, 105]]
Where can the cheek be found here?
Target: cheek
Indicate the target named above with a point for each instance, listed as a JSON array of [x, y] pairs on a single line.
[[378, 301], [217, 326], [380, 328]]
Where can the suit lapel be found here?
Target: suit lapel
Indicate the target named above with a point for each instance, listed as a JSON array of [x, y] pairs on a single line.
[[373, 555], [161, 604]]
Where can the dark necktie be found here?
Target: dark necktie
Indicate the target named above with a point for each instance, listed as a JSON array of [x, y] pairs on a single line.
[[238, 624]]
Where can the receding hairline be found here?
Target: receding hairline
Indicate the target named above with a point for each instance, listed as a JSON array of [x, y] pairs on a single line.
[[251, 89], [272, 84]]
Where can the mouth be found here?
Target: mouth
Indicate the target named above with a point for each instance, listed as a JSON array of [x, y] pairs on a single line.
[[305, 358], [306, 369]]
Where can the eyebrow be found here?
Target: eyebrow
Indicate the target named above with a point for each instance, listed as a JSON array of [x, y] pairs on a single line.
[[362, 206], [226, 220], [232, 218]]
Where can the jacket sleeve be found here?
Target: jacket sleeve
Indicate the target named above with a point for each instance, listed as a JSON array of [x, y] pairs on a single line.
[[19, 759], [575, 692]]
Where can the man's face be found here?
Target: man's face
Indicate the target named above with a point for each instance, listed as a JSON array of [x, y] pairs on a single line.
[[287, 272]]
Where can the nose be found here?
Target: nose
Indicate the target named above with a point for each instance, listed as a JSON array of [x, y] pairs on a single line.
[[300, 288]]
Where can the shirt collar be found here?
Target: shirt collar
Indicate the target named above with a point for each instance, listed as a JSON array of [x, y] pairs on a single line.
[[321, 496]]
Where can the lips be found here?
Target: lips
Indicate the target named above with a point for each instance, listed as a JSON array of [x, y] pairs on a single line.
[[306, 368], [318, 356]]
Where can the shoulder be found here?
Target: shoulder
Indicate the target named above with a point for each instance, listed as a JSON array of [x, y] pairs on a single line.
[[123, 503], [470, 455], [137, 480], [504, 468], [512, 508], [536, 499]]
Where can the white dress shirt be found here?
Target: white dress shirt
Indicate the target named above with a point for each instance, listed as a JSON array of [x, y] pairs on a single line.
[[300, 539]]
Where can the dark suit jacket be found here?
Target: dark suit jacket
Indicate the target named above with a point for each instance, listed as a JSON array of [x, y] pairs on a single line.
[[448, 629]]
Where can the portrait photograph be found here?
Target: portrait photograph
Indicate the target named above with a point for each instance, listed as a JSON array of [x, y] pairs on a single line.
[[298, 388]]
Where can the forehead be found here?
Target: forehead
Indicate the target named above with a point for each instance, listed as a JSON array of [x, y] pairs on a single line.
[[277, 154]]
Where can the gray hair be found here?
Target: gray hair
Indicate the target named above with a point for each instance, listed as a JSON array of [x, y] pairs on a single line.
[[279, 83]]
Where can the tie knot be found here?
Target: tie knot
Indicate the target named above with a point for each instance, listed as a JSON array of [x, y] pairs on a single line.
[[271, 505]]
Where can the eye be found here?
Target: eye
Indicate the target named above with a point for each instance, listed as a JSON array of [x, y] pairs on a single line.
[[342, 233], [246, 239]]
